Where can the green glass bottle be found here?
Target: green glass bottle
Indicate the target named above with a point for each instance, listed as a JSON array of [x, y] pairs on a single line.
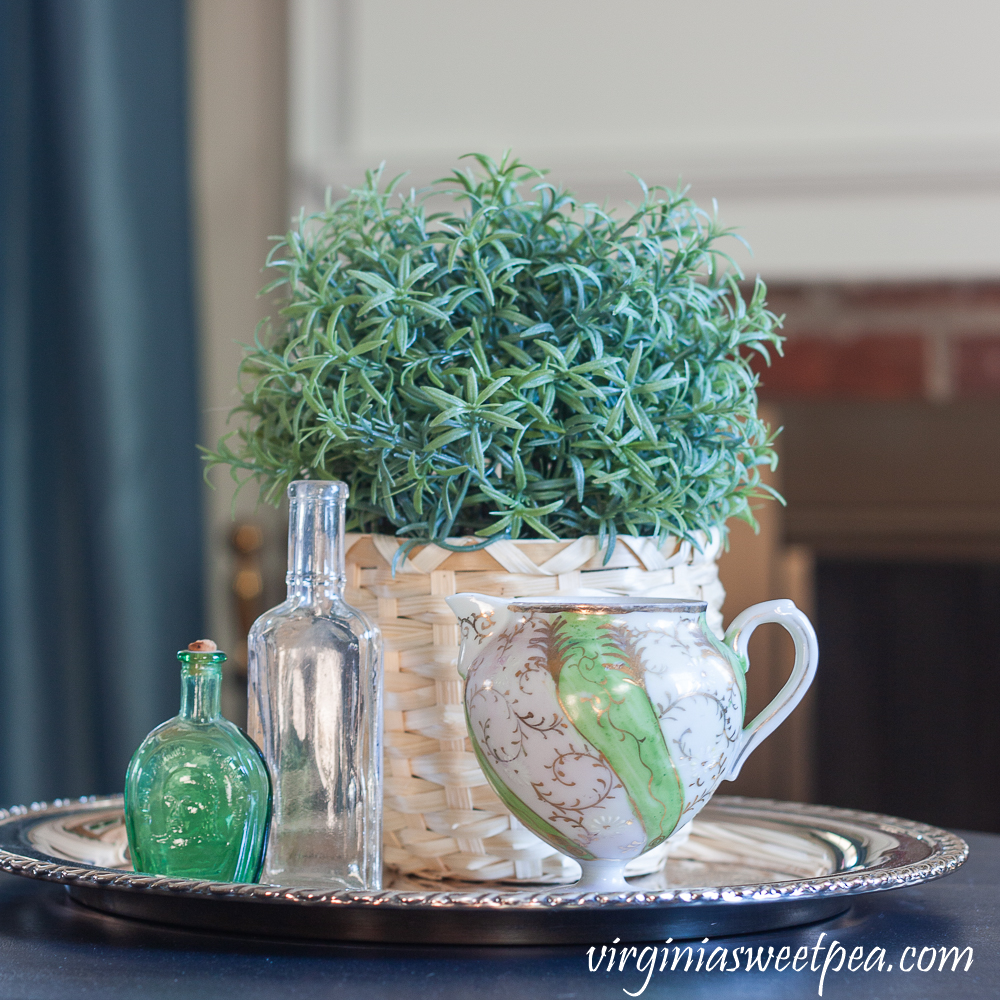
[[197, 791]]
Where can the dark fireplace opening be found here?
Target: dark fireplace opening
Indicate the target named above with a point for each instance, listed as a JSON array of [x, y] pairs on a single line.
[[908, 690]]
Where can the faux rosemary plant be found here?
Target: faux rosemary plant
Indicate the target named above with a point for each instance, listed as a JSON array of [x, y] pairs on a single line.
[[517, 366]]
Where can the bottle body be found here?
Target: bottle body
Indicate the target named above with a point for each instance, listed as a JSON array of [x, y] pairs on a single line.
[[197, 791], [315, 690]]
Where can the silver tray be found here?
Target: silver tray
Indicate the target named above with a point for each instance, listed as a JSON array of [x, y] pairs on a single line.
[[748, 865]]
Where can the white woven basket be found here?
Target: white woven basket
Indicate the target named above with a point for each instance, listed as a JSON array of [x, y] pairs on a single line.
[[441, 817]]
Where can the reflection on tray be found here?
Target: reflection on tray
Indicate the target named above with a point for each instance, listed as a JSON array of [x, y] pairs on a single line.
[[716, 854], [96, 839]]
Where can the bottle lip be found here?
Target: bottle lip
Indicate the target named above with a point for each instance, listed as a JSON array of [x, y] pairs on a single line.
[[321, 489], [203, 659]]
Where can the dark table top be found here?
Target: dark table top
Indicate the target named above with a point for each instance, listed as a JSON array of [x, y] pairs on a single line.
[[52, 947]]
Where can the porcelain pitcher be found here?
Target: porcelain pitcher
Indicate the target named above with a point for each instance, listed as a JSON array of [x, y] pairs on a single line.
[[606, 724]]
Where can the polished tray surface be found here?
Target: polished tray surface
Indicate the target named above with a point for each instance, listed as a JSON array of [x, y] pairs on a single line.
[[748, 865]]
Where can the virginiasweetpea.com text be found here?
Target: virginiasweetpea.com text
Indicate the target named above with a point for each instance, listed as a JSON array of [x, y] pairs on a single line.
[[821, 959]]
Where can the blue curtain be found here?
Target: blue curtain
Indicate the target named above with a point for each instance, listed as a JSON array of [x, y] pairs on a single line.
[[100, 519]]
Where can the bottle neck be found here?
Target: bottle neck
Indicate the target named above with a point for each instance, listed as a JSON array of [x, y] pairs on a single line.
[[201, 685], [316, 543]]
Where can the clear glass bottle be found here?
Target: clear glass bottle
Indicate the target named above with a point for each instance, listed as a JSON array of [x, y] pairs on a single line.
[[197, 791], [315, 709]]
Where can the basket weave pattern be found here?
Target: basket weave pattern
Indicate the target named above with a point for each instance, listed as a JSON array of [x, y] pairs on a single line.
[[441, 818]]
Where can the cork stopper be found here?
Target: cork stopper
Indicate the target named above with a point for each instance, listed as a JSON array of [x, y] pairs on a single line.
[[202, 646]]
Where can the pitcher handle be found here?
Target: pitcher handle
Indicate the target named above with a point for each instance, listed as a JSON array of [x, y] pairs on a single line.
[[788, 616]]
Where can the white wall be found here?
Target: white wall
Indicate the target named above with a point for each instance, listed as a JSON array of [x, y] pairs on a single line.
[[856, 138], [238, 69]]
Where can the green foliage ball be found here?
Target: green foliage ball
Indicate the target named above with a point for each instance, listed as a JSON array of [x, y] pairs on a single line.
[[519, 365]]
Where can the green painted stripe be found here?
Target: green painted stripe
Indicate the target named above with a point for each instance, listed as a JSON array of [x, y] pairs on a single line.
[[612, 711]]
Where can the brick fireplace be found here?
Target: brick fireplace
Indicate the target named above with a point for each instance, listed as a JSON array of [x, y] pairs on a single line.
[[932, 342], [889, 396]]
